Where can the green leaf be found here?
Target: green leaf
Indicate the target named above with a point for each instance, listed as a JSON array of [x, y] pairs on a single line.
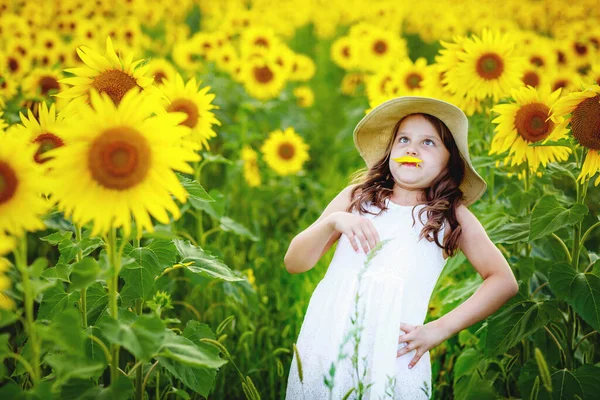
[[7, 317], [142, 338], [38, 266], [580, 290], [156, 255], [65, 331], [59, 272], [517, 319], [96, 302], [513, 232], [4, 347], [65, 367], [139, 279], [69, 248], [204, 264], [57, 237], [198, 196], [84, 273], [229, 225], [192, 365], [84, 389], [468, 383], [55, 300], [549, 216]]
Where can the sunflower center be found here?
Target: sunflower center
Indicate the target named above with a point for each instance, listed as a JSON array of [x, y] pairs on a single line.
[[159, 76], [413, 81], [48, 83], [114, 83], [580, 48], [585, 123], [261, 42], [263, 74], [537, 61], [286, 151], [346, 51], [490, 66], [13, 64], [380, 47], [47, 141], [531, 78], [8, 182], [559, 83], [119, 158], [531, 122], [188, 107]]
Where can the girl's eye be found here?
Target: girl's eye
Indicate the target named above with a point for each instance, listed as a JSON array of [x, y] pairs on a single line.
[[426, 140]]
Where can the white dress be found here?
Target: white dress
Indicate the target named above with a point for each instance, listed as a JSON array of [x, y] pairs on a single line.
[[395, 287]]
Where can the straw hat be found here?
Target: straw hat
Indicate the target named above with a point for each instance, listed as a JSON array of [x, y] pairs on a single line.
[[374, 131]]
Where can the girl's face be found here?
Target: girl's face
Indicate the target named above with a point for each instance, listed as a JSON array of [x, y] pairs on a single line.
[[416, 137]]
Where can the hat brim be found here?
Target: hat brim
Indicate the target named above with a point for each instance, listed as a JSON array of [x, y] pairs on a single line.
[[375, 130]]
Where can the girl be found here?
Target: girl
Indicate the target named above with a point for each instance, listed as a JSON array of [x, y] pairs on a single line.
[[418, 165]]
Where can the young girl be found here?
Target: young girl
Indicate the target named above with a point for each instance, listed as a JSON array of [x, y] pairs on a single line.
[[414, 194]]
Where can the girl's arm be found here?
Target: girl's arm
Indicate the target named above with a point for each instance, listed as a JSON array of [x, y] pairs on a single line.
[[499, 283], [311, 244]]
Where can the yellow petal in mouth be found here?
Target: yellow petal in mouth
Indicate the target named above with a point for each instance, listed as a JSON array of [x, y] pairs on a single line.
[[408, 159]]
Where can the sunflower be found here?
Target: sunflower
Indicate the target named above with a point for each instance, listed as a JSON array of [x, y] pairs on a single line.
[[263, 78], [196, 104], [106, 74], [593, 75], [21, 203], [408, 78], [381, 47], [41, 131], [533, 76], [345, 53], [186, 58], [226, 58], [351, 82], [8, 85], [526, 121], [120, 162], [584, 110], [258, 38], [43, 82], [304, 96], [376, 84], [161, 69], [563, 78], [303, 68], [251, 170], [487, 67], [285, 152]]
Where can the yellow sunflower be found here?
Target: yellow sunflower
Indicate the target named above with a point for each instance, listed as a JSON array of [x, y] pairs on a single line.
[[351, 82], [487, 67], [106, 74], [8, 85], [21, 203], [345, 52], [584, 119], [533, 76], [526, 121], [285, 152], [196, 104], [303, 68], [41, 131], [305, 96], [42, 82], [258, 38], [379, 48], [120, 162], [593, 75], [263, 78], [251, 170], [226, 58], [161, 69], [409, 78]]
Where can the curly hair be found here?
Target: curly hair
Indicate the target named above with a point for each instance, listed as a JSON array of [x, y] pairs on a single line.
[[443, 197]]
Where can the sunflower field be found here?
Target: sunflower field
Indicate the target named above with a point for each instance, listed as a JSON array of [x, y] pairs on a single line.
[[157, 158]]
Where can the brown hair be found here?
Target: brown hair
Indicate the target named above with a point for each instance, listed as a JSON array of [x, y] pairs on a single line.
[[376, 184]]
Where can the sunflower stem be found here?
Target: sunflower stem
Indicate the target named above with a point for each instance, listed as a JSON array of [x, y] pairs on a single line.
[[83, 298], [21, 262], [115, 261]]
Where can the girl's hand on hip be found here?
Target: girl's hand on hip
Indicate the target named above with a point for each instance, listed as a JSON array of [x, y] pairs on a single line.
[[421, 338], [355, 226]]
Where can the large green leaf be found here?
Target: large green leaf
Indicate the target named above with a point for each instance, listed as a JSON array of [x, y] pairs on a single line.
[[580, 290], [517, 319], [203, 263], [549, 216], [96, 302], [55, 300], [156, 255], [85, 389], [65, 367], [229, 225], [196, 367], [512, 232], [66, 333], [139, 279], [468, 383], [198, 196], [83, 273], [142, 338]]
